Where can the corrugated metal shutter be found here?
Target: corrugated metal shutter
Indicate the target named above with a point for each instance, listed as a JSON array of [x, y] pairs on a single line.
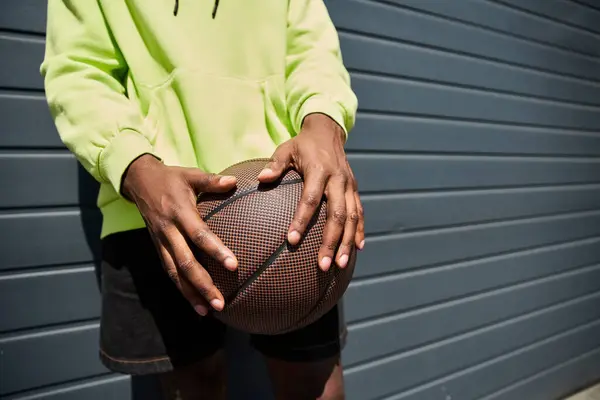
[[477, 152]]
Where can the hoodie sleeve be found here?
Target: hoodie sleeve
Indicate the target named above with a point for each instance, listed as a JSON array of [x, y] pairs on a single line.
[[317, 81], [83, 72]]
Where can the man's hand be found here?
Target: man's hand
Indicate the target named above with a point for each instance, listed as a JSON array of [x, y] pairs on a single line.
[[166, 197], [318, 154]]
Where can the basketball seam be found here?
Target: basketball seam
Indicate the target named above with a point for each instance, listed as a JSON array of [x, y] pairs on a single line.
[[258, 272], [319, 302], [269, 262], [241, 194]]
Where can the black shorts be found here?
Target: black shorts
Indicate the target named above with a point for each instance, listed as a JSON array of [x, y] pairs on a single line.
[[148, 327]]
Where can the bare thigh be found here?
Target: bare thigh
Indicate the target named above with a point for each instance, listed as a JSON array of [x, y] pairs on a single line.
[[320, 380], [204, 380], [315, 380]]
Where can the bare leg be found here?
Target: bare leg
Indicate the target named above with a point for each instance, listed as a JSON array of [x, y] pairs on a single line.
[[205, 380], [320, 380]]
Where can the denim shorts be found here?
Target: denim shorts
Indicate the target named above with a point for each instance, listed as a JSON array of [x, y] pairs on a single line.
[[148, 327]]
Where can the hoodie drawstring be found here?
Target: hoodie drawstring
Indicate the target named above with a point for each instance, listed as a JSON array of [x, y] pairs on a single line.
[[214, 12]]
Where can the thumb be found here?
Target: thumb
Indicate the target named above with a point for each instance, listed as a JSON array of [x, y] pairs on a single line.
[[279, 162], [202, 181]]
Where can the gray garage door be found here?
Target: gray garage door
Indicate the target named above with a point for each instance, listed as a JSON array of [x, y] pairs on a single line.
[[477, 151]]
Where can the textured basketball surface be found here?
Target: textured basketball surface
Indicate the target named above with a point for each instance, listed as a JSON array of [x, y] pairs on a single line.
[[277, 287]]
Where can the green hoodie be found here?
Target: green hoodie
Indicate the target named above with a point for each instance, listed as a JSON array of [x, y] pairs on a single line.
[[197, 83]]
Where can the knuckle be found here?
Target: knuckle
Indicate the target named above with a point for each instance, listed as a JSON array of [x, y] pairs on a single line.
[[345, 244], [211, 177], [161, 225], [170, 209], [220, 254], [280, 155], [311, 199], [339, 216], [330, 245], [175, 212], [300, 220], [167, 205], [205, 288], [173, 275], [200, 237], [354, 217], [319, 170], [361, 211], [208, 179], [186, 266], [340, 176]]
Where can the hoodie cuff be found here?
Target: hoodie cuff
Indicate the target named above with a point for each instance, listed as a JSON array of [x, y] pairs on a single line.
[[321, 104], [122, 150]]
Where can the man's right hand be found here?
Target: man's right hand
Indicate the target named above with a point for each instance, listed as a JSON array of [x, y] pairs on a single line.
[[166, 198]]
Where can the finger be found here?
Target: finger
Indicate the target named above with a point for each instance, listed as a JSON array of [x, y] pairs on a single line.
[[312, 193], [201, 181], [197, 301], [192, 226], [189, 268], [360, 227], [343, 254], [352, 179], [336, 220], [279, 162]]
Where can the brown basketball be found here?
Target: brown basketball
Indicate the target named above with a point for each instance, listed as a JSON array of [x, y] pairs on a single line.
[[277, 287]]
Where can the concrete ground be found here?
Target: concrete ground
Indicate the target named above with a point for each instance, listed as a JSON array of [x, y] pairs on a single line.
[[592, 393]]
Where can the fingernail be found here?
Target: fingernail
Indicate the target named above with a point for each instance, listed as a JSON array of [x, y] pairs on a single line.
[[264, 172], [217, 304], [294, 237], [226, 180], [361, 245], [230, 263], [325, 263], [343, 260], [201, 309]]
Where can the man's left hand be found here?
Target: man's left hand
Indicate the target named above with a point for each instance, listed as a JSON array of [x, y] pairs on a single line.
[[317, 153]]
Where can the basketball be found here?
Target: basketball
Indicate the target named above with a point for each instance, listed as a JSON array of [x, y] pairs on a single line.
[[277, 287]]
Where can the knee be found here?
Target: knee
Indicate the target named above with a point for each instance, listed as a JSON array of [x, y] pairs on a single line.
[[207, 377], [302, 381], [333, 390]]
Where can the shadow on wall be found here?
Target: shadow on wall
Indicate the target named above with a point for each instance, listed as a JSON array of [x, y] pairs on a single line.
[[247, 374]]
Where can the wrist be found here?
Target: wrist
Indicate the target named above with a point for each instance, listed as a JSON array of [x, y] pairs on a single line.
[[322, 123], [137, 168]]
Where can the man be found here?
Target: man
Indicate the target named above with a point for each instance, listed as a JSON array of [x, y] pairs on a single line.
[[156, 96]]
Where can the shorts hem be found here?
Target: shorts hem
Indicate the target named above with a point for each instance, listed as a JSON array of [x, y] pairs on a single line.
[[148, 366], [305, 354]]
